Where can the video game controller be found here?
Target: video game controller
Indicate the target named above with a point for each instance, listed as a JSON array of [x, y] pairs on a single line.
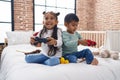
[[40, 40]]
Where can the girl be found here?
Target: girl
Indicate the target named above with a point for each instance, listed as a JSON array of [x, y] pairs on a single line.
[[51, 50]]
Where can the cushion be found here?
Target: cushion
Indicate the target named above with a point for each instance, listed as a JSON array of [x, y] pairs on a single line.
[[112, 41], [19, 37]]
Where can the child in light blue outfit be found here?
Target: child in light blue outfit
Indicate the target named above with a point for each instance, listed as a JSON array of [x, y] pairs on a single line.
[[71, 39], [51, 37]]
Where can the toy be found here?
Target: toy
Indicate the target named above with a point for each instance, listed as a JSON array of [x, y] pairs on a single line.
[[37, 41], [63, 61], [40, 40], [108, 54], [91, 43]]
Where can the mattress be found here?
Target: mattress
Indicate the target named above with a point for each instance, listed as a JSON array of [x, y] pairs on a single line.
[[14, 67]]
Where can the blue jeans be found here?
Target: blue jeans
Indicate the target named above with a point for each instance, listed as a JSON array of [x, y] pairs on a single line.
[[42, 59], [86, 53]]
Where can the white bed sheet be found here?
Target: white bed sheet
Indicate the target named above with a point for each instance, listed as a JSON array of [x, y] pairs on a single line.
[[14, 67]]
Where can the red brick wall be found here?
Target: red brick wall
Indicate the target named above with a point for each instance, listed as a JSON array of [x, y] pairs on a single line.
[[85, 11], [23, 14], [93, 14], [98, 14]]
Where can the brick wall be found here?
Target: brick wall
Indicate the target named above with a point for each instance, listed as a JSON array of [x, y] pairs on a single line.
[[93, 14], [23, 14], [98, 14]]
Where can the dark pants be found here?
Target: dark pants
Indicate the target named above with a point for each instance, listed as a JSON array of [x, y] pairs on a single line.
[[86, 53], [42, 59]]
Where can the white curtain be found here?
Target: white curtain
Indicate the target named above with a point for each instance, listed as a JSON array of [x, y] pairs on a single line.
[[112, 41]]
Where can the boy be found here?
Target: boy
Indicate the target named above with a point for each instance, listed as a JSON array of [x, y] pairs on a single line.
[[71, 39]]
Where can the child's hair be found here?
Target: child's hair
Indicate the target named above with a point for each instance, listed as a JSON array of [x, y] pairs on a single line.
[[52, 49], [71, 17]]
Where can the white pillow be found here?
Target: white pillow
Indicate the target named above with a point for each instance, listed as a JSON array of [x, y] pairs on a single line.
[[112, 41], [19, 37]]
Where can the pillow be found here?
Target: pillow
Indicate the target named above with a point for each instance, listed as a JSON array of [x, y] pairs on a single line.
[[112, 41], [19, 37]]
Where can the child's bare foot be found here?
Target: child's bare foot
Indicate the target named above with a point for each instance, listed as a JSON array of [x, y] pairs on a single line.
[[94, 62]]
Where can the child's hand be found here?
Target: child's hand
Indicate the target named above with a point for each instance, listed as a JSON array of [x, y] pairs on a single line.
[[38, 45], [82, 42], [51, 41], [32, 40]]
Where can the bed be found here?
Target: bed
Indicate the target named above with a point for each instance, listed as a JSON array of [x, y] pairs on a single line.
[[14, 67]]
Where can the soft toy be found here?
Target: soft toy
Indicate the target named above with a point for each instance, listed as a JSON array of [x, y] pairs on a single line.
[[108, 54], [63, 61]]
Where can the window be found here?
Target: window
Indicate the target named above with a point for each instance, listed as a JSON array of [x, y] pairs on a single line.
[[62, 6], [5, 19]]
